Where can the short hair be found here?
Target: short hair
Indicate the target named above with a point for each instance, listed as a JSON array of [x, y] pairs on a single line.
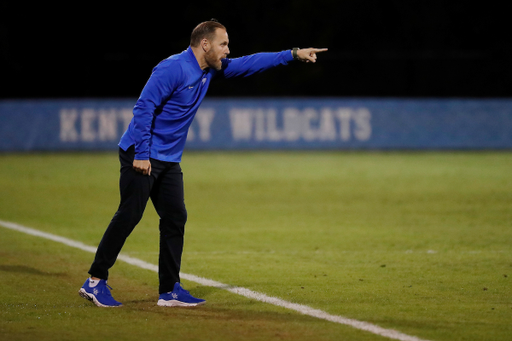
[[206, 30]]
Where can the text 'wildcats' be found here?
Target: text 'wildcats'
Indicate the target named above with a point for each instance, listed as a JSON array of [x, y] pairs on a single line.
[[293, 124]]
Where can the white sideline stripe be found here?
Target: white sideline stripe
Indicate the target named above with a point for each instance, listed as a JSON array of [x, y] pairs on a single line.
[[303, 309]]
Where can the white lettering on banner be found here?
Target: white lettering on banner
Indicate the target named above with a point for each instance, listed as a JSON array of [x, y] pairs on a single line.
[[273, 134], [241, 123], [247, 124], [291, 124], [327, 128], [309, 124], [90, 125], [363, 129], [68, 131], [88, 116], [344, 116], [204, 119], [107, 125], [308, 132], [260, 125]]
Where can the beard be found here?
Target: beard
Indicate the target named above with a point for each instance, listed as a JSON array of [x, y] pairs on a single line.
[[212, 60]]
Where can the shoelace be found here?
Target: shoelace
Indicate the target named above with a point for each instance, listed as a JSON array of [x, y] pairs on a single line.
[[107, 292], [183, 290]]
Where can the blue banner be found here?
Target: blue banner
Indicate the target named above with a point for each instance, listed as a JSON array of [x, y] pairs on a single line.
[[227, 124]]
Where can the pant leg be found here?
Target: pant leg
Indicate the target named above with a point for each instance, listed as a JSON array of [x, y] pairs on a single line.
[[135, 190], [168, 198]]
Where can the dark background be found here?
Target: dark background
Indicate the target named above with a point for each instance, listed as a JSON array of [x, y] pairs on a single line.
[[376, 48]]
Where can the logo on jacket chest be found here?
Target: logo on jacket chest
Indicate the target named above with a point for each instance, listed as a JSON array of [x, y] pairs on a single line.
[[203, 82]]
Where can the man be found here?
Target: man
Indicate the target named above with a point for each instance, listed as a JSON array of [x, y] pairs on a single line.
[[151, 149]]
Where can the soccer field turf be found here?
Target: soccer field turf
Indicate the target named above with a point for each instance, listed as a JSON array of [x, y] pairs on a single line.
[[416, 242]]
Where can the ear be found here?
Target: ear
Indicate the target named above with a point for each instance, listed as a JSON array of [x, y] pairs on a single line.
[[205, 44]]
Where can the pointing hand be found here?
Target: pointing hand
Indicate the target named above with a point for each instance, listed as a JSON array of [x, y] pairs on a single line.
[[308, 55]]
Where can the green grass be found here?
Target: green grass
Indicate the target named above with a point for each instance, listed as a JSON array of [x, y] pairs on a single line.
[[417, 242]]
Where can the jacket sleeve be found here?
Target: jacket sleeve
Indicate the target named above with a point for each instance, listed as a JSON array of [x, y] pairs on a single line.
[[160, 86], [255, 63]]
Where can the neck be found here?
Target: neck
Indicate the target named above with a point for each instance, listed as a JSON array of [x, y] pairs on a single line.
[[199, 54]]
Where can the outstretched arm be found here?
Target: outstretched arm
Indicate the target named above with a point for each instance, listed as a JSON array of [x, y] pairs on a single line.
[[254, 63], [259, 62]]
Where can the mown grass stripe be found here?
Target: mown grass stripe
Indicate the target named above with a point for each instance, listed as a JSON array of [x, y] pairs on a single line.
[[303, 309]]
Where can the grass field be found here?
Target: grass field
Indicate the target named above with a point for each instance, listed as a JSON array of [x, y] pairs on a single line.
[[416, 242]]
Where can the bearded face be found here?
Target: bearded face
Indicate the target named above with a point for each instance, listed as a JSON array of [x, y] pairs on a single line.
[[214, 60], [218, 49]]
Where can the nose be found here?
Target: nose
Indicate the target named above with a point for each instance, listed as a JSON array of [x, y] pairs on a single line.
[[227, 51]]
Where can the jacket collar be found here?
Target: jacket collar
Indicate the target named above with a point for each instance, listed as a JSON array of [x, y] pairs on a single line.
[[191, 58]]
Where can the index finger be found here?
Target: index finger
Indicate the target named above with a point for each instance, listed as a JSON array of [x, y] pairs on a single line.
[[319, 50]]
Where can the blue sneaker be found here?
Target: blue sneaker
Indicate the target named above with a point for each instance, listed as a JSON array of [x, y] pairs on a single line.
[[179, 297], [99, 294]]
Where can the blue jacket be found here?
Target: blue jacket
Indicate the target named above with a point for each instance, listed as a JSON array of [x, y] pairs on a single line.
[[170, 99]]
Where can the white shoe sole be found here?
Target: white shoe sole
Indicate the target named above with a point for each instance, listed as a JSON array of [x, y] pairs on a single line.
[[92, 298], [174, 303]]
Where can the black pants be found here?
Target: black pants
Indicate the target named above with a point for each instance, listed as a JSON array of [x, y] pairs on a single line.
[[165, 188]]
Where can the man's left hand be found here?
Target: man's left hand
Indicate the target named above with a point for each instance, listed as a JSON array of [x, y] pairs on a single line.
[[308, 55]]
